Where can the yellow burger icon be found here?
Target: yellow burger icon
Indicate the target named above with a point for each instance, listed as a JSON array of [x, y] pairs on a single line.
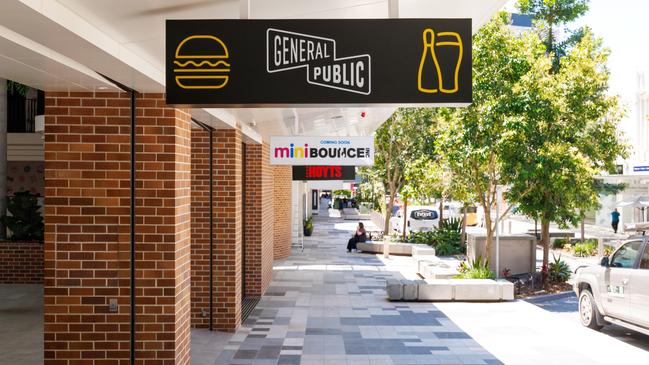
[[201, 63]]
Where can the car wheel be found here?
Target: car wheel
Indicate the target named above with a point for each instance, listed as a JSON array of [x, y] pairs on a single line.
[[588, 312]]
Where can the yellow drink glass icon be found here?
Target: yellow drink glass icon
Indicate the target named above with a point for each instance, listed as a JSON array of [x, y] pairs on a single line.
[[434, 44]]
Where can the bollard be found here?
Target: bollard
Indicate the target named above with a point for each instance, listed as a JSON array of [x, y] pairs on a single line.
[[386, 249]]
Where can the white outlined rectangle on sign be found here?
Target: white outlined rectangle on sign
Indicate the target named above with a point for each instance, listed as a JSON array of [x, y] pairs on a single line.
[[323, 151]]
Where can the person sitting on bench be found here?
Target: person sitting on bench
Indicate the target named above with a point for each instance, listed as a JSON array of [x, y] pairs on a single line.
[[359, 236]]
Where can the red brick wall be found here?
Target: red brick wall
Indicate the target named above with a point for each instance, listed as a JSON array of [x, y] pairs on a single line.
[[200, 235], [228, 230], [21, 263], [87, 173], [259, 220], [282, 180]]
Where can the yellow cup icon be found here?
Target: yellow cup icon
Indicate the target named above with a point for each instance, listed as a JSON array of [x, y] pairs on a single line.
[[431, 76]]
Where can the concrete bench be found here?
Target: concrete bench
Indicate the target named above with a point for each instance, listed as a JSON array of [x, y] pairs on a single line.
[[353, 214], [405, 249], [450, 290]]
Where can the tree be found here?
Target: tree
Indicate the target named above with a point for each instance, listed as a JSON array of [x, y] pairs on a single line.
[[549, 15], [567, 123], [399, 142], [472, 139]]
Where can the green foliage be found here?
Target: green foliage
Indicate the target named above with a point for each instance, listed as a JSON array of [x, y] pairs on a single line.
[[604, 188], [451, 224], [402, 142], [342, 192], [26, 221], [445, 239], [473, 138], [558, 270], [560, 243], [585, 249], [551, 15], [476, 269], [427, 237], [16, 88], [608, 250], [308, 226]]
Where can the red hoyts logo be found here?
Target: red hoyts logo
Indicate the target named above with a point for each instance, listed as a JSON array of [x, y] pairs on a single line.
[[313, 172]]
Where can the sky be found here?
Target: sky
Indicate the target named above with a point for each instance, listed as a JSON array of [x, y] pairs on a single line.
[[623, 26]]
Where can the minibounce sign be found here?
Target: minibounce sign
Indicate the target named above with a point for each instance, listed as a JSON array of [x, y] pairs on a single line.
[[325, 151]]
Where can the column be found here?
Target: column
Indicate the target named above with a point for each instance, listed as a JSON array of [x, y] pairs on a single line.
[[259, 220], [87, 224], [282, 185]]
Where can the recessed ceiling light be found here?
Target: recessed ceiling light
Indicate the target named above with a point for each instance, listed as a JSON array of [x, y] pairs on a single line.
[[102, 88]]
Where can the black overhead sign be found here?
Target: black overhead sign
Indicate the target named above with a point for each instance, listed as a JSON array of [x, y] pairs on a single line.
[[251, 63], [303, 173]]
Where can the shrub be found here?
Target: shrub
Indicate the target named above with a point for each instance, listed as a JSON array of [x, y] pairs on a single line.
[[560, 243], [445, 239], [608, 250], [26, 221], [585, 249], [559, 271], [476, 269]]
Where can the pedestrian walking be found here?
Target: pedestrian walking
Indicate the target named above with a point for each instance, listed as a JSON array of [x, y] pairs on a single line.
[[615, 219]]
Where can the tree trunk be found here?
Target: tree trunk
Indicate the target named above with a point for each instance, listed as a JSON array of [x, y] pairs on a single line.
[[388, 214], [583, 229], [545, 241], [441, 211], [405, 217], [463, 236], [490, 230]]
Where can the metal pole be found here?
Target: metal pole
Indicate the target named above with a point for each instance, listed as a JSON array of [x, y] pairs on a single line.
[[132, 352], [497, 232], [211, 230], [3, 154]]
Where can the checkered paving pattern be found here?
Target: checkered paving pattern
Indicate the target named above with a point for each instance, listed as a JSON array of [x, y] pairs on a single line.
[[327, 306]]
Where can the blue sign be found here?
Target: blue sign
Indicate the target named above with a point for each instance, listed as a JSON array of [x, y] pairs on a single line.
[[640, 168]]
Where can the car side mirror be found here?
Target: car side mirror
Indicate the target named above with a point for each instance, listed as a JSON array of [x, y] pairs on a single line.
[[605, 261]]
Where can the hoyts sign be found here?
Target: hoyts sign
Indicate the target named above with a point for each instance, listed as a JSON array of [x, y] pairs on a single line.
[[315, 62], [305, 173]]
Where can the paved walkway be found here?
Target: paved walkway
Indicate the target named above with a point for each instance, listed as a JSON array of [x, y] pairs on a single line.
[[326, 306]]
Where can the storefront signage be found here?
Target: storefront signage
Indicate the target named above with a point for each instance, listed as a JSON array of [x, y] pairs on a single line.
[[325, 151], [307, 173], [251, 63], [640, 168]]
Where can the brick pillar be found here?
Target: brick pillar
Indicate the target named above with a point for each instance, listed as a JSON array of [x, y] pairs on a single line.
[[259, 220], [200, 235], [282, 185], [228, 240], [87, 174]]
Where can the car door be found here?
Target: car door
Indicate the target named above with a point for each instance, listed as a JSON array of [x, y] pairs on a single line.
[[639, 291], [617, 278]]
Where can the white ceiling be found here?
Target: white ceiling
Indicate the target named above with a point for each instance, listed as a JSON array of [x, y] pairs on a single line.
[[59, 44]]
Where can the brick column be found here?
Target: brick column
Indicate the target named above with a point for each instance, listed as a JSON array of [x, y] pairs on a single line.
[[87, 173], [259, 220], [282, 185], [228, 214]]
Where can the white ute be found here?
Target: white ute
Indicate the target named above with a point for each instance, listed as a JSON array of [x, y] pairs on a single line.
[[617, 291]]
